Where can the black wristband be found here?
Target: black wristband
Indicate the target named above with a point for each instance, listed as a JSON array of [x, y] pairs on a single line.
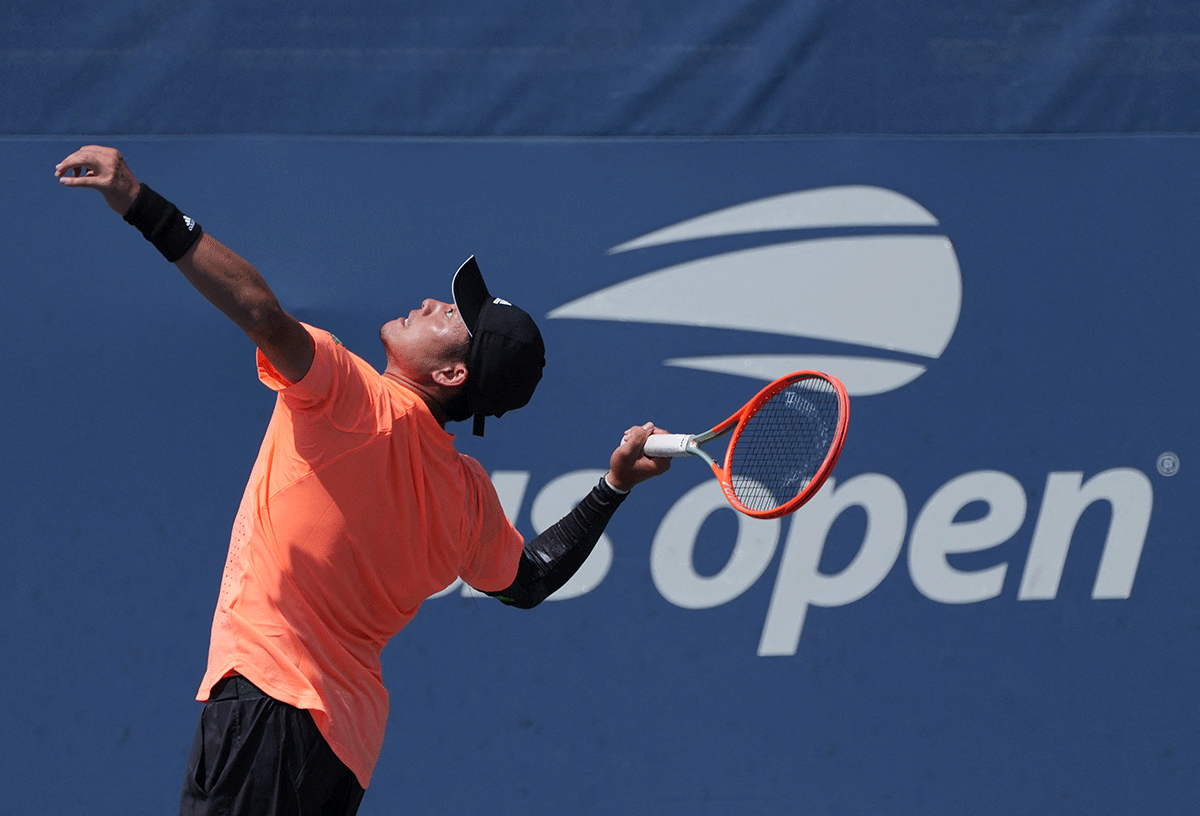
[[163, 225]]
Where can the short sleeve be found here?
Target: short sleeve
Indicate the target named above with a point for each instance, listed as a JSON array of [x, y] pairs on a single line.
[[316, 384], [339, 385], [493, 545]]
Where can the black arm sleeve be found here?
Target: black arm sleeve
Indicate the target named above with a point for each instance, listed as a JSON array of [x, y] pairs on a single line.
[[550, 560]]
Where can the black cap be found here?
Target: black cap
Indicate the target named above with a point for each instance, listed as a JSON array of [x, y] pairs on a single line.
[[507, 354]]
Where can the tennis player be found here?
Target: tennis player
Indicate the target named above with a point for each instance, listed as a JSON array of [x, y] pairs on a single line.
[[358, 508]]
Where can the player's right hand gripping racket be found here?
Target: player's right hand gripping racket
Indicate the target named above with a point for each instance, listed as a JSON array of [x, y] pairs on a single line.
[[784, 445]]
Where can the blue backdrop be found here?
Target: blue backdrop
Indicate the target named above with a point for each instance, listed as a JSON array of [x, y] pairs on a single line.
[[600, 67], [990, 610], [687, 675]]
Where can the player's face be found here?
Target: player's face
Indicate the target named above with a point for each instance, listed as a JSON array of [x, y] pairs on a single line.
[[425, 338]]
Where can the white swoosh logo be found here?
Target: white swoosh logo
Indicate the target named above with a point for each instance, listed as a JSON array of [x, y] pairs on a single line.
[[849, 206], [899, 293]]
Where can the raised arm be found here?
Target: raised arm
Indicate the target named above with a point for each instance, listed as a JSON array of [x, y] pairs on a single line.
[[226, 279]]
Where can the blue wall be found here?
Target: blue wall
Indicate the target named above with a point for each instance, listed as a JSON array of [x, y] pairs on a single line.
[[602, 67], [990, 610]]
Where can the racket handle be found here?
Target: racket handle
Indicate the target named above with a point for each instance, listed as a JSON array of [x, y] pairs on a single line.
[[665, 446]]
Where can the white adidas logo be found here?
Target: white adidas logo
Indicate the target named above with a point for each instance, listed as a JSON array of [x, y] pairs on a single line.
[[897, 293]]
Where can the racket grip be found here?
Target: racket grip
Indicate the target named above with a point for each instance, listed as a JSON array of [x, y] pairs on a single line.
[[665, 446]]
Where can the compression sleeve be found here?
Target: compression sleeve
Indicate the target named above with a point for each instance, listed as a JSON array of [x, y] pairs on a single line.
[[550, 560]]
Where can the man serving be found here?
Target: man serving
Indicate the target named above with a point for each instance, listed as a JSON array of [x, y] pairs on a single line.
[[358, 508]]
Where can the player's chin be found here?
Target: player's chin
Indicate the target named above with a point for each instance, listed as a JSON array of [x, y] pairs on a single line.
[[391, 328]]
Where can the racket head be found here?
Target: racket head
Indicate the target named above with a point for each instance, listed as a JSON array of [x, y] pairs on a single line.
[[785, 444]]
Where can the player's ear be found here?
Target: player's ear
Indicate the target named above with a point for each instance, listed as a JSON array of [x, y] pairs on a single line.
[[451, 374]]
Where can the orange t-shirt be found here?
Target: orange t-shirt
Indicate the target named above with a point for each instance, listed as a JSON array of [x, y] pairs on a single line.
[[357, 510]]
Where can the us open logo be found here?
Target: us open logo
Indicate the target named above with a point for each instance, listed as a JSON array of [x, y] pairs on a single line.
[[875, 291], [889, 301]]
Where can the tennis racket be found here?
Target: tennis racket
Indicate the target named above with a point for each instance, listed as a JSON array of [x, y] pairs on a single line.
[[784, 445]]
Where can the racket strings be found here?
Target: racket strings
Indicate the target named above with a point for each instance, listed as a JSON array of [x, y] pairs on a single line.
[[782, 447]]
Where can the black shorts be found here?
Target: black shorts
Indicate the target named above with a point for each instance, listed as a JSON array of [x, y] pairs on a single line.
[[256, 756]]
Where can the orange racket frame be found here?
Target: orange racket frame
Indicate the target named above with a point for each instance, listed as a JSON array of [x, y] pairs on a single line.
[[668, 445]]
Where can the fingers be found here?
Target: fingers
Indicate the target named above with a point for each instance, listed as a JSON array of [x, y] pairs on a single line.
[[75, 163], [89, 166], [628, 465], [79, 177], [639, 434], [102, 169], [635, 438]]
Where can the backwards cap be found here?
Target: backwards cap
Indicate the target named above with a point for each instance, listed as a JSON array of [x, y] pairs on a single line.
[[504, 364]]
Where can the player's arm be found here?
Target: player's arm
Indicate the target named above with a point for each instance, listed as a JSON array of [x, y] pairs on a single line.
[[234, 286], [226, 279], [550, 560]]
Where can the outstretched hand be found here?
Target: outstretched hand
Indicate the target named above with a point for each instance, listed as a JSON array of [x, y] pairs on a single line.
[[103, 169], [628, 465]]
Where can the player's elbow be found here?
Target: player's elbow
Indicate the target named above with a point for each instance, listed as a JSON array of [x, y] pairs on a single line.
[[264, 320], [520, 596], [273, 330], [285, 343]]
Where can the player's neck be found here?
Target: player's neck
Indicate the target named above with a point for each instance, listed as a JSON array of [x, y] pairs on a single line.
[[429, 393]]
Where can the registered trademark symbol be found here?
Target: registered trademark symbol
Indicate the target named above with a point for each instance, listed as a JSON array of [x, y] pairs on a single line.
[[1168, 464]]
